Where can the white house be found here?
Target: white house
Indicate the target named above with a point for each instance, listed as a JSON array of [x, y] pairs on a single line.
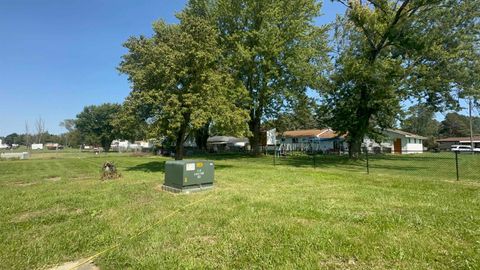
[[219, 143], [37, 146], [125, 145], [119, 145], [145, 144], [325, 140], [398, 142], [3, 146]]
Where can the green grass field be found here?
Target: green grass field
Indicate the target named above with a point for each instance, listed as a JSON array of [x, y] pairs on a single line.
[[409, 213]]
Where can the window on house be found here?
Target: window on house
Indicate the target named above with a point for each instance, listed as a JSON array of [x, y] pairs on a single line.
[[294, 140]]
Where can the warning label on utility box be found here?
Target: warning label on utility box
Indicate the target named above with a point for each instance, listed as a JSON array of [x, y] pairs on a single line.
[[190, 167]]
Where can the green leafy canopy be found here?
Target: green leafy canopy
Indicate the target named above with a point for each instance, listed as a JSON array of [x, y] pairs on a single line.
[[180, 82], [95, 124], [275, 50], [392, 51]]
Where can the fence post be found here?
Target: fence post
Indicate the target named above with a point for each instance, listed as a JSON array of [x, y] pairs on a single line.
[[368, 165], [274, 154], [456, 165]]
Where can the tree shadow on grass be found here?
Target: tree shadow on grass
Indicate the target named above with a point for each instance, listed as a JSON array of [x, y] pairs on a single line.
[[152, 166], [159, 166], [322, 161], [413, 157], [221, 156], [400, 167]]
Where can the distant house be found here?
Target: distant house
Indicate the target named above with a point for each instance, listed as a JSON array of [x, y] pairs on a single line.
[[53, 146], [446, 143], [119, 145], [325, 140], [145, 144], [37, 146], [225, 143], [398, 142], [125, 145], [3, 146]]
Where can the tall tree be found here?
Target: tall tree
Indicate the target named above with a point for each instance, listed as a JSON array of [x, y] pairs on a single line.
[[275, 50], [390, 51], [129, 123], [68, 124], [457, 125], [95, 124], [12, 138], [421, 120], [302, 115], [72, 136], [27, 135], [180, 83], [40, 129]]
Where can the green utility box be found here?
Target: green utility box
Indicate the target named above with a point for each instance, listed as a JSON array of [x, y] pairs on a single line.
[[188, 175]]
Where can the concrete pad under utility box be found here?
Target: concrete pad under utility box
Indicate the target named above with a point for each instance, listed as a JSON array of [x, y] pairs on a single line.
[[23, 155]]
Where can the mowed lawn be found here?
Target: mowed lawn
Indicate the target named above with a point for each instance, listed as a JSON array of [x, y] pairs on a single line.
[[407, 214]]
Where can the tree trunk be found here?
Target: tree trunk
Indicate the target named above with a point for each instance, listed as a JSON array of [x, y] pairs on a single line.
[[360, 129], [201, 137], [354, 147], [179, 148], [106, 145], [254, 126]]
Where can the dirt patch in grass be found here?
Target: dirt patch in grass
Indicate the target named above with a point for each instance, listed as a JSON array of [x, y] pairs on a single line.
[[465, 183], [23, 184], [75, 265], [82, 177], [339, 263], [54, 178], [27, 216], [203, 240], [304, 221]]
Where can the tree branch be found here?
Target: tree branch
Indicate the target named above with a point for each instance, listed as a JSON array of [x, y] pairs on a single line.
[[344, 3], [369, 39], [397, 17], [377, 5]]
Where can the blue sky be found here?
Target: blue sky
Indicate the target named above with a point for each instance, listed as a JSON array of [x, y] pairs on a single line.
[[57, 56]]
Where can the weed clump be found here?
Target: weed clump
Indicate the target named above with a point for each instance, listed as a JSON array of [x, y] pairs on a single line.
[[109, 171]]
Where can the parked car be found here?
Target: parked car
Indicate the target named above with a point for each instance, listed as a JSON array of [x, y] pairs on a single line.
[[464, 148]]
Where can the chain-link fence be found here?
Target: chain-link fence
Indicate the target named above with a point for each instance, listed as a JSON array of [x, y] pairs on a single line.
[[433, 165]]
